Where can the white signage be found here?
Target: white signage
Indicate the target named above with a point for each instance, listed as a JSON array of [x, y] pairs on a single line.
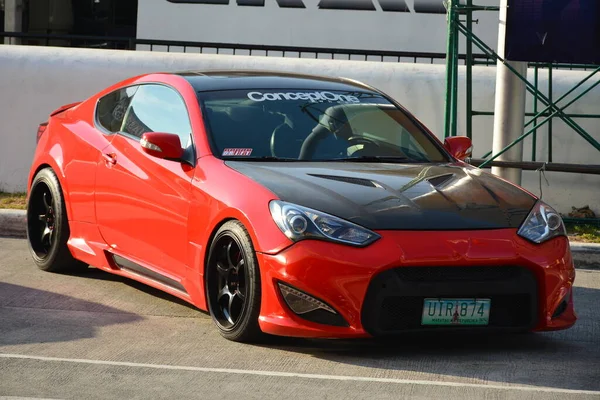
[[313, 97], [389, 25]]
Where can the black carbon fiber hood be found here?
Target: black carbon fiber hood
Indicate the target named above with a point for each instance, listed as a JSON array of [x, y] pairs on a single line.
[[386, 196]]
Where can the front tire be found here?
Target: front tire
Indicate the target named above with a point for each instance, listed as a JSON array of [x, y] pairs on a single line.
[[48, 226], [233, 284]]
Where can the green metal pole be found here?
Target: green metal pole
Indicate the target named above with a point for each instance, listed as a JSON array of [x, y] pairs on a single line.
[[479, 8], [469, 72], [535, 111], [449, 68], [550, 122], [455, 77], [564, 66], [544, 112], [548, 118], [561, 98], [569, 121]]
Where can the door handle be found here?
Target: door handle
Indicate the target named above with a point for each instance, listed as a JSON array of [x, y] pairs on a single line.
[[110, 158]]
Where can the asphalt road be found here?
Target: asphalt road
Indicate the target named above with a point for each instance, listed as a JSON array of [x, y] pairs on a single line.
[[95, 335]]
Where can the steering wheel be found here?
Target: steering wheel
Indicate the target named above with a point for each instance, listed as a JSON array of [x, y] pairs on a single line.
[[356, 140], [333, 123], [273, 141]]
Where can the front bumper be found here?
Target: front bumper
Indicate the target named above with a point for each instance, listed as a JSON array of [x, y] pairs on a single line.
[[528, 283]]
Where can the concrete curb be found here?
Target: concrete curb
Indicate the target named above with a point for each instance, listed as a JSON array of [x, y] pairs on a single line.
[[586, 255], [585, 247], [13, 224]]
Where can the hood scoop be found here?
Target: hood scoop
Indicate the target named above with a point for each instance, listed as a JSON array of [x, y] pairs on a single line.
[[349, 179], [440, 181]]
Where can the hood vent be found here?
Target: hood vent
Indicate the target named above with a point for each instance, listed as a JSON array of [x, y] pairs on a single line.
[[348, 179], [439, 181]]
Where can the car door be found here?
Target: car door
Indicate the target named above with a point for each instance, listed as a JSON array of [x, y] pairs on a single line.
[[142, 202], [88, 138]]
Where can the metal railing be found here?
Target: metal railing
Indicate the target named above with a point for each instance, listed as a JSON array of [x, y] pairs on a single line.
[[124, 43], [592, 169]]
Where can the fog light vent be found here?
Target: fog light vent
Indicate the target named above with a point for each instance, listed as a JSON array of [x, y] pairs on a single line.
[[561, 308], [300, 302], [310, 308]]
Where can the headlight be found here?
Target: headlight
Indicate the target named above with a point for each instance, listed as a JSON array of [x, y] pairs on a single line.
[[298, 223], [542, 223]]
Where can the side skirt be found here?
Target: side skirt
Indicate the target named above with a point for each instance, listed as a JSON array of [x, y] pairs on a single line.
[[130, 266]]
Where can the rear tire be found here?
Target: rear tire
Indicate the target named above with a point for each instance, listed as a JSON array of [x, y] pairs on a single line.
[[233, 284], [48, 226]]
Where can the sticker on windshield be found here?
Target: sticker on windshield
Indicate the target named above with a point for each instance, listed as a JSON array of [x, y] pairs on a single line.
[[313, 97], [237, 152]]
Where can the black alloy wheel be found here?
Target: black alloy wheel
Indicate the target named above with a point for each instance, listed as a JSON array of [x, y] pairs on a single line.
[[233, 283], [42, 223], [48, 225]]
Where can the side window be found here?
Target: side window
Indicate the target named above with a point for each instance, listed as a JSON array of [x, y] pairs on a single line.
[[157, 108], [112, 107]]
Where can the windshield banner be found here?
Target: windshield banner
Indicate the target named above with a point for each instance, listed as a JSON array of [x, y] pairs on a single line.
[[313, 97]]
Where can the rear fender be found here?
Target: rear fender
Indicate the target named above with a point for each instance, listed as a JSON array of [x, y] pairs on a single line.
[[50, 154]]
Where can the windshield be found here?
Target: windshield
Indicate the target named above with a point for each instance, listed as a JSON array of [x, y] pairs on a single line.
[[313, 125]]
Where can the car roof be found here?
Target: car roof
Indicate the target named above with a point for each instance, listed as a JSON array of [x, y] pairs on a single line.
[[203, 81]]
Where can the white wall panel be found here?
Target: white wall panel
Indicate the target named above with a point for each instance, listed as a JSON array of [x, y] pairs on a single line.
[[36, 80]]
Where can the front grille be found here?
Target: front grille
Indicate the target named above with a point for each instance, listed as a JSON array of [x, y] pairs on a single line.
[[394, 300], [401, 312]]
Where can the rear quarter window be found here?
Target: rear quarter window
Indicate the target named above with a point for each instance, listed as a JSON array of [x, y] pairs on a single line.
[[111, 108]]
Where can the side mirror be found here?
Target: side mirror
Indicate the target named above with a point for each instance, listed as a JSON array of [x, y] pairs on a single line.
[[162, 145], [460, 147]]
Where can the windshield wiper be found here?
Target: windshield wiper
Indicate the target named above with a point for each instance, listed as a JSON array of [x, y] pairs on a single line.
[[390, 159]]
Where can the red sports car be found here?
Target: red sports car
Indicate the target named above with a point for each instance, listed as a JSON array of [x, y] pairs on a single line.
[[293, 205]]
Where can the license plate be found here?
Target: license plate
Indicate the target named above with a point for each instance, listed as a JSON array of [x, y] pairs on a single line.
[[456, 312]]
